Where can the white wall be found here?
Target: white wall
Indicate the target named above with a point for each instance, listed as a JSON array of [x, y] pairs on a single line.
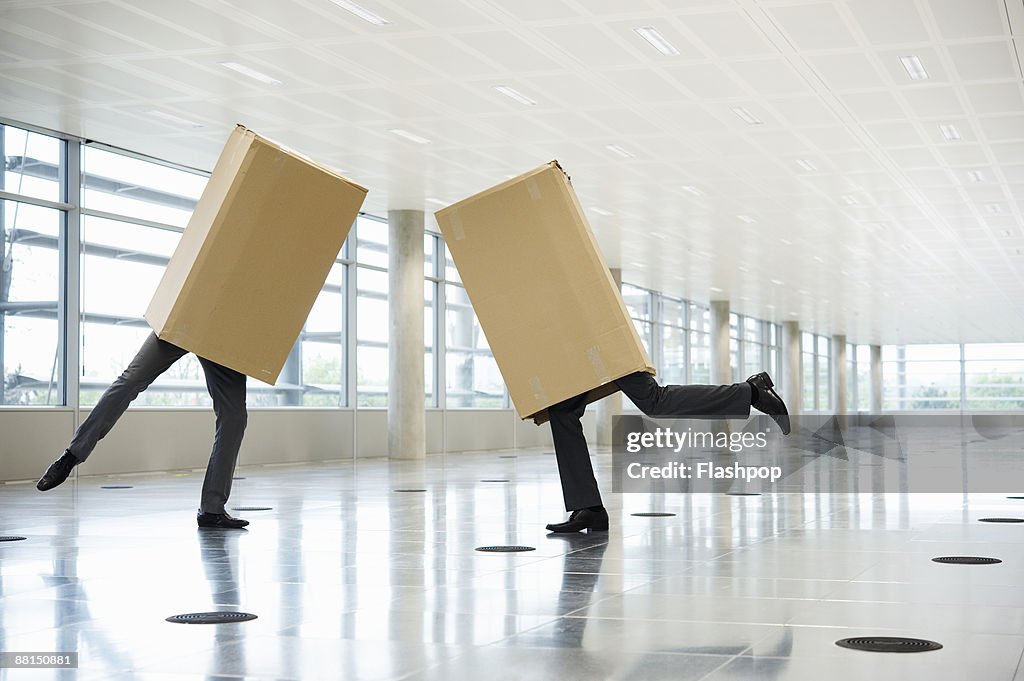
[[150, 439]]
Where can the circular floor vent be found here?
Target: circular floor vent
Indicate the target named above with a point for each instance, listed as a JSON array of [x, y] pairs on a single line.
[[505, 549], [1002, 520], [966, 560], [888, 644], [211, 617], [11, 538]]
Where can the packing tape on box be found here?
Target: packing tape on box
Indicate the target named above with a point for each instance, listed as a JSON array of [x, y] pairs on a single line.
[[531, 186], [597, 362], [538, 390], [456, 223]]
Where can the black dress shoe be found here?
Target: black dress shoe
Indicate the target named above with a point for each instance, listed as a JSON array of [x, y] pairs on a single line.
[[58, 471], [768, 401], [220, 521], [583, 519]]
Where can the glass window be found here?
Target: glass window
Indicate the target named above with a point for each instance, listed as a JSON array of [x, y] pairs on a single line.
[[472, 378], [922, 377], [29, 298], [32, 164], [372, 325], [371, 242]]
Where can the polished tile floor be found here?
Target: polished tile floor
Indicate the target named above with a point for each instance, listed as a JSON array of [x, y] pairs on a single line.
[[351, 579]]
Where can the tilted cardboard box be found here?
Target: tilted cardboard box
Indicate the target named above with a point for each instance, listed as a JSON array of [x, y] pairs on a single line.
[[254, 256], [552, 314]]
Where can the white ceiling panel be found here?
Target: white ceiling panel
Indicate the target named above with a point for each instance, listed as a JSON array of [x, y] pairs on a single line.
[[644, 86], [804, 111], [728, 34], [707, 81], [508, 51], [932, 102], [889, 22], [113, 16], [816, 26], [536, 10], [973, 19], [229, 27], [848, 71], [305, 68], [995, 98], [315, 20], [1003, 128], [963, 154], [874, 106], [592, 46], [18, 47], [50, 26], [985, 61], [771, 77]]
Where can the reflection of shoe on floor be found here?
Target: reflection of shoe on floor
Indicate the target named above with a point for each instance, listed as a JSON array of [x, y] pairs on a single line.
[[594, 518], [768, 401], [58, 471], [220, 521]]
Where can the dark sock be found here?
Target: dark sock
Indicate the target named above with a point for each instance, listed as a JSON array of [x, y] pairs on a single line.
[[595, 508], [754, 394]]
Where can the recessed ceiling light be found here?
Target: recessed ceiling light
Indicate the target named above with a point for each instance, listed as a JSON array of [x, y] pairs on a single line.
[[976, 175], [171, 118], [616, 149], [746, 116], [770, 307], [715, 289], [786, 241], [993, 208], [251, 73], [656, 40], [807, 165], [747, 219], [512, 93], [411, 136], [692, 190], [361, 12], [915, 69], [950, 132], [437, 202], [849, 200], [819, 258], [776, 282], [1006, 232], [792, 314], [600, 211]]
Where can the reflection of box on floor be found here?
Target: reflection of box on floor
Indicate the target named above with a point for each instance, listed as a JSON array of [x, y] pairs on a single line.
[[254, 256], [546, 301]]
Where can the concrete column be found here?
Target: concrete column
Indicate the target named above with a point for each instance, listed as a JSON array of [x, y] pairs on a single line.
[[406, 390], [721, 367], [839, 376], [611, 406], [792, 377], [876, 379]]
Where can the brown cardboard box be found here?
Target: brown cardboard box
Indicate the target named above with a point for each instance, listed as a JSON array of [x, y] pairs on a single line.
[[254, 256], [546, 301]]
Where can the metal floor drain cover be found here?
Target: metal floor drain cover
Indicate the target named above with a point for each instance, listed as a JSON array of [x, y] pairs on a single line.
[[211, 617], [652, 515], [743, 494], [1015, 497], [238, 477], [12, 538], [410, 490], [252, 508], [966, 560], [888, 644], [116, 486], [505, 549], [494, 480], [508, 456], [1002, 520]]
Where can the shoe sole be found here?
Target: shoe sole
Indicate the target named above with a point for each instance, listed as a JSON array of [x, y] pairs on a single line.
[[770, 384]]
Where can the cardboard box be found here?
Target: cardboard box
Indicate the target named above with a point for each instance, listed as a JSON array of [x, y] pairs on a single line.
[[254, 256], [552, 314]]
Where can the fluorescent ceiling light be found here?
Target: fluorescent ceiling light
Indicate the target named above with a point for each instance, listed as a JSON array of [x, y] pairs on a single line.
[[410, 136], [437, 202], [976, 175], [786, 241], [656, 40], [950, 132], [512, 93], [251, 73], [849, 200], [993, 208], [171, 118], [807, 165], [600, 211], [715, 289], [746, 116], [616, 149], [915, 69], [1005, 232], [747, 219], [777, 282], [692, 190], [362, 12]]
